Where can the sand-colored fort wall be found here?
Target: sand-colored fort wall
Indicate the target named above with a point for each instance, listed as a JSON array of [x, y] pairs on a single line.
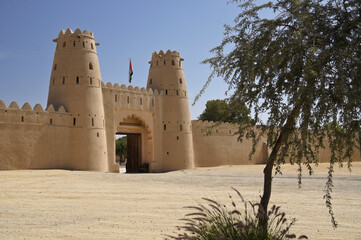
[[216, 144], [34, 138]]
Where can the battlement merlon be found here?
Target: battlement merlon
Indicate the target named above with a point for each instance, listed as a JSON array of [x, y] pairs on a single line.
[[130, 88], [168, 55], [69, 34], [14, 106]]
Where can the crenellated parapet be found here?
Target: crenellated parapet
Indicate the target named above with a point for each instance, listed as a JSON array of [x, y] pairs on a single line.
[[170, 58], [211, 128], [129, 97], [26, 115], [68, 40]]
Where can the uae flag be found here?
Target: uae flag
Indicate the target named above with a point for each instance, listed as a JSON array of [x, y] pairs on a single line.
[[130, 70]]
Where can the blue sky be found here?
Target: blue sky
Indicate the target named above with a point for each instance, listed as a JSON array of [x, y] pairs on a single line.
[[124, 29]]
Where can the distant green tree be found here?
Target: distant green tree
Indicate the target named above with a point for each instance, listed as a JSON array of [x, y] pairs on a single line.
[[121, 147], [301, 69], [216, 110], [225, 111]]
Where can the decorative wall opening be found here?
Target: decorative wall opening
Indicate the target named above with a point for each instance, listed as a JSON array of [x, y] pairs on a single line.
[[90, 66]]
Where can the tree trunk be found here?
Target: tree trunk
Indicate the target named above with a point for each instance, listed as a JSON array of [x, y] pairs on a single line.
[[267, 182]]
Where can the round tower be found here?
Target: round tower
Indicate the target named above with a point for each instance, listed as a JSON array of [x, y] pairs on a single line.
[[75, 83], [166, 74]]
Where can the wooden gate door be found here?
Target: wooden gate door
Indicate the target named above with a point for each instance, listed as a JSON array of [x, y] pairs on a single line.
[[133, 153]]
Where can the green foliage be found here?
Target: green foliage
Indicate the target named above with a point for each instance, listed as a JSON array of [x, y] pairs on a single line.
[[216, 110], [225, 111], [213, 220], [121, 147], [302, 69]]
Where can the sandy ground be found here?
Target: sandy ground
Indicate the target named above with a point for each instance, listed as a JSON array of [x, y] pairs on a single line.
[[59, 204]]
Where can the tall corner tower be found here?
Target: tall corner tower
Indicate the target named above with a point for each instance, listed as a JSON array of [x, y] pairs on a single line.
[[75, 83], [166, 74]]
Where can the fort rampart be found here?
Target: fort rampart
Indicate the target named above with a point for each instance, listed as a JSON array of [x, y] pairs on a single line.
[[32, 138], [77, 129]]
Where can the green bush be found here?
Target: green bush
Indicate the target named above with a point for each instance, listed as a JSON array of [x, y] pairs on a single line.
[[215, 221]]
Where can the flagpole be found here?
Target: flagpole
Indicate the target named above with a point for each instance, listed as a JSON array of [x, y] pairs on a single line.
[[130, 70]]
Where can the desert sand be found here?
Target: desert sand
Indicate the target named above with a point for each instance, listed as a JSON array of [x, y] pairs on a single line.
[[61, 204]]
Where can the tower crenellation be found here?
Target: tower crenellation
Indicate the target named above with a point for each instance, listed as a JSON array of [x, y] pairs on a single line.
[[69, 40], [170, 59]]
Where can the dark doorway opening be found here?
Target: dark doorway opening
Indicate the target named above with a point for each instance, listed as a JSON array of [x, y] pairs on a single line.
[[131, 155]]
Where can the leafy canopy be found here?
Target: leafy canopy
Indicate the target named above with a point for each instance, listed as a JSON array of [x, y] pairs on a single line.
[[225, 111], [121, 146], [302, 69]]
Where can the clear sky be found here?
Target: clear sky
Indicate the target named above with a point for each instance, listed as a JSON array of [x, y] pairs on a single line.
[[124, 29]]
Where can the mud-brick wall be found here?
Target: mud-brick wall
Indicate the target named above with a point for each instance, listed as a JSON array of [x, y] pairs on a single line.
[[218, 145], [33, 139]]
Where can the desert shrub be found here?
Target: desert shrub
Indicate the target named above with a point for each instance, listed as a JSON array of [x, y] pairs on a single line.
[[215, 221]]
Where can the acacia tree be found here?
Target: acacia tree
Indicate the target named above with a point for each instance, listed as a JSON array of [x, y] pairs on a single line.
[[302, 69]]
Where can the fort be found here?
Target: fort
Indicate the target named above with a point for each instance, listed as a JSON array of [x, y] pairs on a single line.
[[77, 128]]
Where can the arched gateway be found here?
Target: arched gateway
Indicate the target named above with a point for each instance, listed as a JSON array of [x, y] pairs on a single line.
[[140, 144]]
